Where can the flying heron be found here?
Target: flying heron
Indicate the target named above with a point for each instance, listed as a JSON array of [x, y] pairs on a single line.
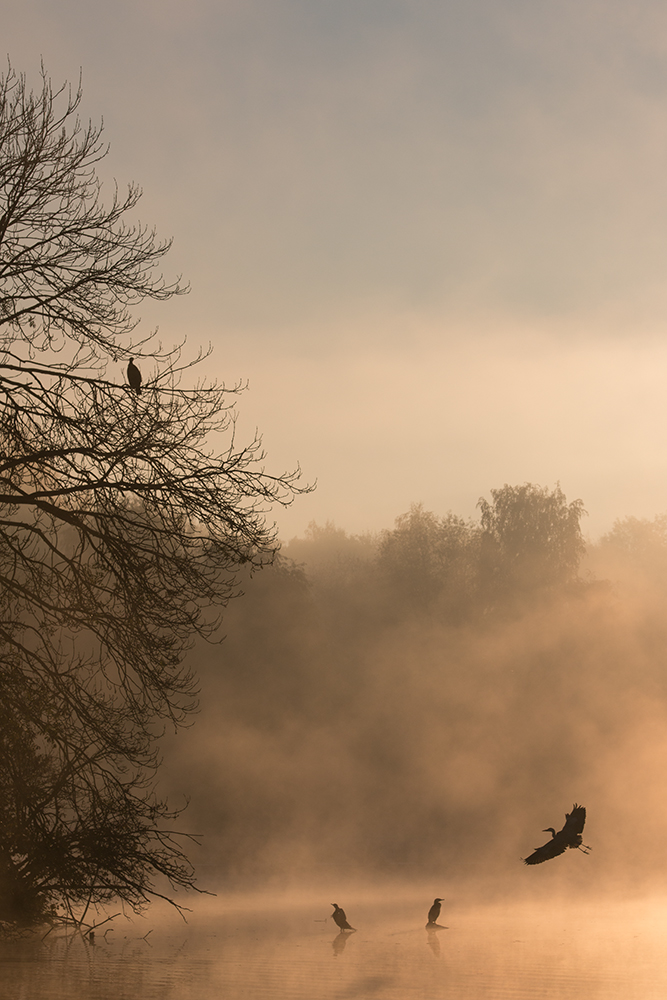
[[569, 836], [340, 919], [434, 912], [134, 376]]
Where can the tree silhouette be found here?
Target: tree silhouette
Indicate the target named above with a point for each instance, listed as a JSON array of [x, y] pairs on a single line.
[[531, 541], [431, 561], [123, 520]]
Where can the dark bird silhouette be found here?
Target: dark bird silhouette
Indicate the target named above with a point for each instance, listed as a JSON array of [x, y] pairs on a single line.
[[434, 912], [569, 836], [134, 376], [340, 919]]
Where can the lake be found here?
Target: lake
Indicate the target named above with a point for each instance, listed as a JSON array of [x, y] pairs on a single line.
[[277, 949]]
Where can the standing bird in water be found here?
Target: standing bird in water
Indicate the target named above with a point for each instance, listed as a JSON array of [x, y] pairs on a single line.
[[340, 919], [434, 912], [134, 376], [569, 836]]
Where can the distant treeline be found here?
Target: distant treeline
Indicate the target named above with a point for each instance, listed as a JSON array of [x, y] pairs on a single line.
[[427, 699]]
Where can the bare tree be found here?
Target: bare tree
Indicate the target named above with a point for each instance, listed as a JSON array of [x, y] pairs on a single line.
[[123, 518]]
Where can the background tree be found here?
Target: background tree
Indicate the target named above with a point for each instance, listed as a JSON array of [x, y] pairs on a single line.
[[531, 541], [375, 746], [633, 557], [123, 518], [431, 561]]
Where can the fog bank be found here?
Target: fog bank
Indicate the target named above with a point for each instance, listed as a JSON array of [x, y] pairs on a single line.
[[349, 733]]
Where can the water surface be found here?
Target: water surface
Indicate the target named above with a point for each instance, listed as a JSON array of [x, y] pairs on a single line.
[[279, 951]]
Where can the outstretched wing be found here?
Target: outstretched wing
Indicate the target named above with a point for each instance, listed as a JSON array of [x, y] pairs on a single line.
[[574, 822], [551, 849], [569, 836]]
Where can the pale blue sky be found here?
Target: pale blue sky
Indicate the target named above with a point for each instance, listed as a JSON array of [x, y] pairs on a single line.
[[432, 234]]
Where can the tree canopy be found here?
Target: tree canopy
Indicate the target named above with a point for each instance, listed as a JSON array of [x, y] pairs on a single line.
[[431, 560], [381, 724], [124, 517], [531, 540]]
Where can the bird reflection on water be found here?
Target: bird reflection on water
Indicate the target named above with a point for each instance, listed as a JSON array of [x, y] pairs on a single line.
[[339, 942], [432, 926], [432, 939], [340, 920]]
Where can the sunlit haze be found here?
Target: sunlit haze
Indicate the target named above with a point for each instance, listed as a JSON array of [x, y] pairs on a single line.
[[430, 235], [429, 238]]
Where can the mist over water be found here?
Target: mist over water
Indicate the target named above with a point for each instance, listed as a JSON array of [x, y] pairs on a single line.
[[284, 947], [350, 738], [378, 728]]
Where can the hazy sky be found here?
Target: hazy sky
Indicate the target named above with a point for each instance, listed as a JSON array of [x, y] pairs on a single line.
[[432, 234]]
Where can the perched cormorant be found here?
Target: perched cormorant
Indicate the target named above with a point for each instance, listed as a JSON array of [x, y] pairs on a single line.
[[340, 919], [569, 836], [134, 376], [434, 912]]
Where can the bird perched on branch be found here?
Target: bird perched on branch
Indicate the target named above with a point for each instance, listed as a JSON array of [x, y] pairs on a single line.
[[569, 836], [134, 376], [340, 919], [434, 912]]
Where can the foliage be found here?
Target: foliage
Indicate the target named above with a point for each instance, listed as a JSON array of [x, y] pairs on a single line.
[[531, 541], [637, 536], [633, 556], [420, 740], [428, 559], [124, 516]]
